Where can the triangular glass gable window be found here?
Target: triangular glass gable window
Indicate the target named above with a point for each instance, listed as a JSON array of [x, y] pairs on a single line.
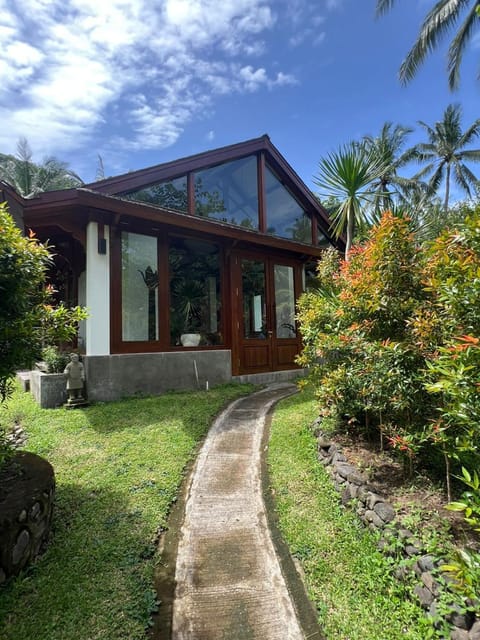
[[285, 217], [228, 192]]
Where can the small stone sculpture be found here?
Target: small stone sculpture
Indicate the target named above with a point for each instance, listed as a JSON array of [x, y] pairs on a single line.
[[75, 380]]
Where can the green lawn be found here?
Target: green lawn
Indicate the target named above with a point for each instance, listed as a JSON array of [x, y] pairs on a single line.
[[118, 467], [348, 579]]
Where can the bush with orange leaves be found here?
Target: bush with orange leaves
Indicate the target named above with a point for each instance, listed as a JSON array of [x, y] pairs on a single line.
[[382, 338]]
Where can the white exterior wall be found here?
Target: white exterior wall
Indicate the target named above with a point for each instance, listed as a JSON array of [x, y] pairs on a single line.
[[97, 299]]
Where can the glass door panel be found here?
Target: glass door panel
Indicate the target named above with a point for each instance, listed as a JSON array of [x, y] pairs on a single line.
[[254, 299], [283, 279]]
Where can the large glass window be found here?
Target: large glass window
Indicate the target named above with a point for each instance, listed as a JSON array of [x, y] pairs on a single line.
[[139, 287], [195, 295], [228, 192], [285, 216], [171, 194]]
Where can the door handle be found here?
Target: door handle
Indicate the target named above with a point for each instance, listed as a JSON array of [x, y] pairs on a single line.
[[269, 334]]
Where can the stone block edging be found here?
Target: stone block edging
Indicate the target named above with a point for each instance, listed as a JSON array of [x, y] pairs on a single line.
[[376, 513]]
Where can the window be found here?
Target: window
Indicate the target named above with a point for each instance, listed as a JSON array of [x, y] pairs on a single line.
[[322, 240], [195, 294], [228, 193], [172, 194], [285, 216], [139, 287]]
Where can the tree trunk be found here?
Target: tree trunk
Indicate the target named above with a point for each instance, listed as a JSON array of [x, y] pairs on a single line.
[[447, 189], [350, 231]]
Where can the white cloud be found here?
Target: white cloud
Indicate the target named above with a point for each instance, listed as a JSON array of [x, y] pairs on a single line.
[[67, 65]]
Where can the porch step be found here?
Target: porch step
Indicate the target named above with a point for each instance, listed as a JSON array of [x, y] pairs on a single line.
[[270, 377]]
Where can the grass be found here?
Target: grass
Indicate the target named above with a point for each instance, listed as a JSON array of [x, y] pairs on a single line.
[[347, 578], [118, 467]]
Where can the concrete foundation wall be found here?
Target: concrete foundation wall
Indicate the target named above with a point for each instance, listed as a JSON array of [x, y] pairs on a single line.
[[118, 376]]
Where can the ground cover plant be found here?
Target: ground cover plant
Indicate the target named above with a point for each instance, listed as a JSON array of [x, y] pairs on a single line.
[[348, 579], [118, 468]]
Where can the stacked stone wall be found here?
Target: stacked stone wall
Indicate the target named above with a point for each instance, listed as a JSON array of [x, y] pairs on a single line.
[[27, 490], [376, 512]]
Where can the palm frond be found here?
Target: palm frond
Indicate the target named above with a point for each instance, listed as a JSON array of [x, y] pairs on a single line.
[[437, 22], [383, 6], [458, 44]]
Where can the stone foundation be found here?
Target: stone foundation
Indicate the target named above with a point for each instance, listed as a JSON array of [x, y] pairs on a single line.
[[376, 513], [27, 489]]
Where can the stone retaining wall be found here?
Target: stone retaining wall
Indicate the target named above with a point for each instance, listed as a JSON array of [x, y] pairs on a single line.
[[27, 489], [376, 513]]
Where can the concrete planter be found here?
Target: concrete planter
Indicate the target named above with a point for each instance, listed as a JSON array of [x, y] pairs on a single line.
[[48, 389]]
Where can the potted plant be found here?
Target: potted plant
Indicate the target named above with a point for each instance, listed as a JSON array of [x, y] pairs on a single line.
[[188, 302]]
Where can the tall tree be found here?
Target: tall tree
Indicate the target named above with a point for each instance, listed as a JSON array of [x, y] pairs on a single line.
[[29, 178], [441, 18], [445, 152], [389, 148], [347, 175]]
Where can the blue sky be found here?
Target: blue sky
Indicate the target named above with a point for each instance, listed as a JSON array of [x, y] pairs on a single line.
[[142, 82]]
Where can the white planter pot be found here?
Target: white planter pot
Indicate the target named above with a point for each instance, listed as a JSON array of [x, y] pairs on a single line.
[[190, 339]]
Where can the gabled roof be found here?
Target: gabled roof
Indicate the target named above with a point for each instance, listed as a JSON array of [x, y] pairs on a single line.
[[142, 178], [107, 195]]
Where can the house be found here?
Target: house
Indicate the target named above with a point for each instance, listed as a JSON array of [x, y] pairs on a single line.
[[190, 269]]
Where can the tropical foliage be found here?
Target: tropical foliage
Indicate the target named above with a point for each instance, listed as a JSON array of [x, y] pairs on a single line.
[[29, 179], [362, 179], [28, 320], [392, 339], [389, 148], [441, 19], [347, 175], [445, 153]]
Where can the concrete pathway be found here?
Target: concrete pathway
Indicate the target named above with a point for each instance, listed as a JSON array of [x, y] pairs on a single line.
[[229, 582]]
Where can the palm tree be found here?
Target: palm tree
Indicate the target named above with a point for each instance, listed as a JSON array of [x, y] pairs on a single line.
[[388, 147], [440, 19], [445, 152], [30, 179], [348, 175]]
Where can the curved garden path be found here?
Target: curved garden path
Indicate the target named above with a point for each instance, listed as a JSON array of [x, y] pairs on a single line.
[[229, 579]]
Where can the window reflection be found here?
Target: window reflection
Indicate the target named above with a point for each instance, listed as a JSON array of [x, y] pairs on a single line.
[[139, 287], [254, 307], [171, 194], [322, 240], [195, 295], [228, 193], [284, 302], [285, 216], [309, 276]]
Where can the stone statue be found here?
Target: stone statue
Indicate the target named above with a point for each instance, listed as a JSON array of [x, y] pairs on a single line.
[[75, 379]]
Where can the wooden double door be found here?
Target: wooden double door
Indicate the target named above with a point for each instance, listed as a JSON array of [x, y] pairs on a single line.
[[265, 333]]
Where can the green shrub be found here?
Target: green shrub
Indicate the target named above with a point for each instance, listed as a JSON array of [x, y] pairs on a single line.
[[55, 359], [23, 264], [392, 339], [28, 320], [358, 342]]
